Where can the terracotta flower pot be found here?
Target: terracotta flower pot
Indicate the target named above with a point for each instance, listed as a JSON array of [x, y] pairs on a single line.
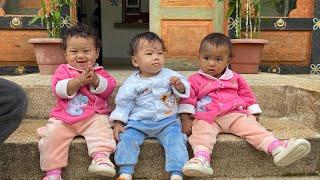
[[49, 54], [247, 55]]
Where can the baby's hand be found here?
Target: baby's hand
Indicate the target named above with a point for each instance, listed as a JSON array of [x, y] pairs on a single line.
[[94, 79], [186, 122], [88, 76], [117, 129], [176, 83], [85, 76]]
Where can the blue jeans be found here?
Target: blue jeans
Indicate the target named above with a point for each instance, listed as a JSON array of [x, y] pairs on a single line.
[[166, 131]]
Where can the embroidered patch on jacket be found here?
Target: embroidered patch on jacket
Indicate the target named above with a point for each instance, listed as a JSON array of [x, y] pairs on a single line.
[[77, 104], [169, 101], [142, 91], [202, 103]]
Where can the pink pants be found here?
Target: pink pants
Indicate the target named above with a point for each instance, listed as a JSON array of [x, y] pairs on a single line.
[[54, 145], [204, 135]]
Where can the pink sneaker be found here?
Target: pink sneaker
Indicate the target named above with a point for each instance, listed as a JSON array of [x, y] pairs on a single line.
[[290, 151], [102, 166], [197, 166], [52, 177]]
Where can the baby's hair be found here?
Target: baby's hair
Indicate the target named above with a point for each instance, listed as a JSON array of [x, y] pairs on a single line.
[[135, 42], [216, 39], [80, 30]]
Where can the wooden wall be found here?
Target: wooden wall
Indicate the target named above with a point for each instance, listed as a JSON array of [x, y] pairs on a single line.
[[14, 47], [290, 47]]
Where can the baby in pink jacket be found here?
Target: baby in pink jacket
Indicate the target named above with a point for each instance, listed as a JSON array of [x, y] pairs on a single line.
[[81, 88], [222, 102]]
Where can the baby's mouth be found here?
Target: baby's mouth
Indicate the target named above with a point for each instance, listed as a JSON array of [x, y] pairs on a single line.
[[81, 62]]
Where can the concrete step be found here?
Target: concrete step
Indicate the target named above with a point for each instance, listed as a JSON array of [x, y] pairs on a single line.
[[294, 96], [290, 105], [232, 156]]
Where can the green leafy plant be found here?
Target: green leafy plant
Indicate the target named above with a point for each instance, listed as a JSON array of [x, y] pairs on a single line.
[[50, 15], [249, 10]]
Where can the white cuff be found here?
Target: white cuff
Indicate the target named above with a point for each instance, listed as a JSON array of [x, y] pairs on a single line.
[[117, 116], [103, 84], [186, 108], [254, 109], [62, 88]]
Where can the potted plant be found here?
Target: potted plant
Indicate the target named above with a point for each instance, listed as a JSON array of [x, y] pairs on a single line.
[[48, 51], [246, 45]]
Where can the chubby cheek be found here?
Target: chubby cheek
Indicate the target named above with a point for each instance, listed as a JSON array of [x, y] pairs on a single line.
[[203, 65]]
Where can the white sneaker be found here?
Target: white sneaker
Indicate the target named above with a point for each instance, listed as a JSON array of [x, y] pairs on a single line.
[[102, 166], [176, 177], [290, 151], [197, 166]]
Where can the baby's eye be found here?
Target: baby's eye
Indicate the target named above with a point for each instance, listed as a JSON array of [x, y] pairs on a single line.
[[206, 58], [149, 54], [219, 59], [160, 52]]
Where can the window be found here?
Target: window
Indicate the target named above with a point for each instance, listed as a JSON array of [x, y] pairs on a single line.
[[136, 11], [132, 7]]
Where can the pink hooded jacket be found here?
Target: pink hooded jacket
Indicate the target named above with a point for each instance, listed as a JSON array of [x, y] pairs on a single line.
[[211, 97], [84, 103]]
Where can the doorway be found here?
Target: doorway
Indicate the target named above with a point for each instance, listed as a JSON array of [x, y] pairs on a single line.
[[109, 19], [89, 13]]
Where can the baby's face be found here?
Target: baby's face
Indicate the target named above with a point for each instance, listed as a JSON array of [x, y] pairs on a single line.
[[149, 58], [214, 59], [81, 52]]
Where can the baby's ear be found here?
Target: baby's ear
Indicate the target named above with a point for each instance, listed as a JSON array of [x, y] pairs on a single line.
[[229, 60], [98, 52], [134, 61]]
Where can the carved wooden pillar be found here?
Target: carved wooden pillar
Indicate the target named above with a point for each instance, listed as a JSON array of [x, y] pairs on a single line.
[[2, 4], [304, 9]]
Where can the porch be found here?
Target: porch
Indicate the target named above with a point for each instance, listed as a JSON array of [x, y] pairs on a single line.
[[290, 105]]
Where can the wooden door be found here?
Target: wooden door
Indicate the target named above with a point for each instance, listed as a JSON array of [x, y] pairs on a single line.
[[182, 25]]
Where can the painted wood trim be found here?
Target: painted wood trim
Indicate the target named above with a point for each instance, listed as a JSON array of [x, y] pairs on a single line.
[[197, 13], [73, 11], [285, 69], [155, 16], [2, 12], [315, 57], [5, 23], [186, 3], [219, 15], [291, 24], [304, 9]]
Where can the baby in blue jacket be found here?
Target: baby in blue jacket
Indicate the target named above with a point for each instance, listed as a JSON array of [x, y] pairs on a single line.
[[146, 107]]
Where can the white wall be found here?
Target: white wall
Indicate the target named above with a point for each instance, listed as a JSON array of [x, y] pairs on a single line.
[[115, 41]]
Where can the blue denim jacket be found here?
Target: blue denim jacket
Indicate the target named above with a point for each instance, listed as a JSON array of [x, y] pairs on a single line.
[[148, 98]]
